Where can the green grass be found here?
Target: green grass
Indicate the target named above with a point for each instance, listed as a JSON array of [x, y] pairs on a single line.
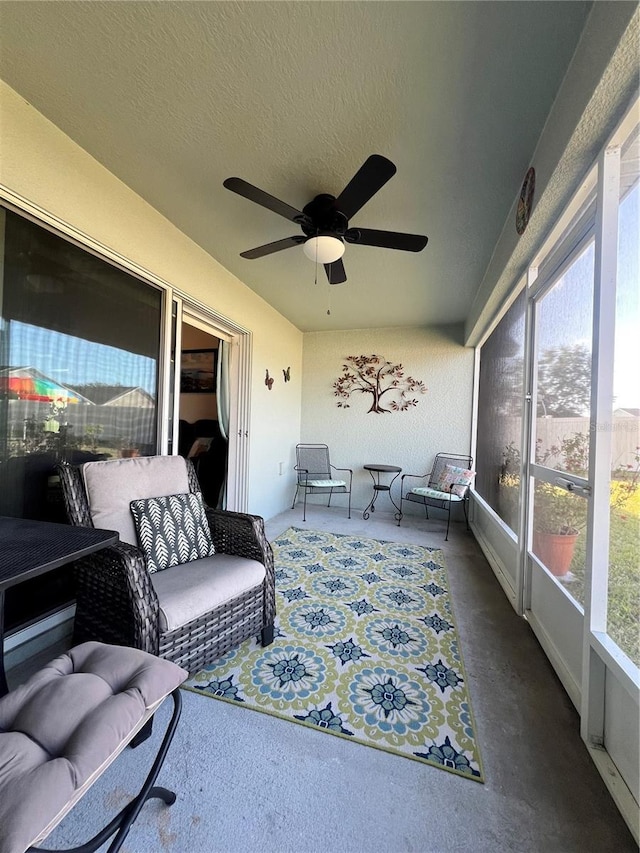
[[623, 613]]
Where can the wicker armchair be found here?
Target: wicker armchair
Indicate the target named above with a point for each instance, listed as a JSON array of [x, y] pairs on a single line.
[[439, 491], [116, 597]]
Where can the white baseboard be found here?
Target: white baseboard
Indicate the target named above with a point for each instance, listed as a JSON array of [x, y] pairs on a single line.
[[568, 681], [617, 787], [496, 564]]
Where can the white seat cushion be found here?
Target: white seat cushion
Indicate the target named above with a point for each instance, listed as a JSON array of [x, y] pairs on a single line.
[[189, 591], [435, 494], [325, 484]]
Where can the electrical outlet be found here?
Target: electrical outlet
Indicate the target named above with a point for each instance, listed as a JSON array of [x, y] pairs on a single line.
[[281, 468]]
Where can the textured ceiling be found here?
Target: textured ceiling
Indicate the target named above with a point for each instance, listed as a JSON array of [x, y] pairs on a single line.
[[173, 97]]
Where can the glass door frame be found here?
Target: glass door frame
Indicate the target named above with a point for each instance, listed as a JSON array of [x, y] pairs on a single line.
[[601, 657], [541, 282]]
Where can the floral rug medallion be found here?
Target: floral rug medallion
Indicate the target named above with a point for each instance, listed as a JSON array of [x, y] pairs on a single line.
[[365, 648]]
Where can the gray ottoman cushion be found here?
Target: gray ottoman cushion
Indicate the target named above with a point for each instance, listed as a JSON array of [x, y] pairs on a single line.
[[66, 723]]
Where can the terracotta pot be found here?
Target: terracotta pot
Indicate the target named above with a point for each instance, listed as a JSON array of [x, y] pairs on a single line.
[[129, 452], [555, 550]]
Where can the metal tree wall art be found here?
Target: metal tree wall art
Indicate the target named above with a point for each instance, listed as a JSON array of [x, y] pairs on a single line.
[[372, 374]]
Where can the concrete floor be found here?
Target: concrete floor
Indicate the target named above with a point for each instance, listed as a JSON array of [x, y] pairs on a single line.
[[249, 782]]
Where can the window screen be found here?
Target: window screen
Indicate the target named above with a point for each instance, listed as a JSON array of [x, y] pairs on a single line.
[[500, 402]]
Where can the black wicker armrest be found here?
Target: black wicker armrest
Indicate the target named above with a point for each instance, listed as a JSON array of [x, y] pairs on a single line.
[[243, 535], [240, 534], [117, 578]]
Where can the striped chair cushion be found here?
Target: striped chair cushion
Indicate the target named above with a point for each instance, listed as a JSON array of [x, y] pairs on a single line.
[[325, 484], [435, 494]]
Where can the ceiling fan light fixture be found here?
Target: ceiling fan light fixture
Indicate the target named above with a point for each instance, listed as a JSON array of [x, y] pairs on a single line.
[[325, 249]]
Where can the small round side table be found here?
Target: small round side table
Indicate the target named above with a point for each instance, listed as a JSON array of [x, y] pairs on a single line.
[[375, 471]]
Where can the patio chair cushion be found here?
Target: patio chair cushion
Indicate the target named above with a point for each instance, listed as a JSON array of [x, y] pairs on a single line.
[[60, 729], [325, 484], [434, 494], [172, 530], [190, 591], [454, 475], [111, 485]]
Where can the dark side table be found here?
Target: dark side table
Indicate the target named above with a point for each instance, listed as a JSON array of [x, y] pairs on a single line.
[[375, 471], [31, 548]]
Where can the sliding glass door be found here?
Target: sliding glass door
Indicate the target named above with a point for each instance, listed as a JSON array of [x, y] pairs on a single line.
[[80, 343]]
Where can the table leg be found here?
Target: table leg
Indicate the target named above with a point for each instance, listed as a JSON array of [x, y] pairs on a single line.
[[376, 489], [390, 495], [371, 507]]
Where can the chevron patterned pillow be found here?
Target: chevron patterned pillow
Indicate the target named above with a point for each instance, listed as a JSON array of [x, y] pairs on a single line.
[[172, 530]]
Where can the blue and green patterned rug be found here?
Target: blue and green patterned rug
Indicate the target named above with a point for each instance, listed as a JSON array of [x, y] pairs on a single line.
[[365, 648]]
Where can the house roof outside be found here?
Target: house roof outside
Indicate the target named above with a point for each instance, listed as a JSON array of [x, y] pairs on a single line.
[[29, 383], [106, 395]]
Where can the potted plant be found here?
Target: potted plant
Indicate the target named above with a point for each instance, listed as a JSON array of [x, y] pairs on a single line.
[[558, 519], [558, 515], [128, 449]]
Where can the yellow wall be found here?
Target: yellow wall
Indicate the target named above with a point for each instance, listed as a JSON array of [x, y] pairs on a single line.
[[43, 166], [441, 421]]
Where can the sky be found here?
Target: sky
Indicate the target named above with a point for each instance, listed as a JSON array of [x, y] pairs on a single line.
[[74, 361]]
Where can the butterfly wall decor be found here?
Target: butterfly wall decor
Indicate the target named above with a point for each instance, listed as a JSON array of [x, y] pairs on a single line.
[[287, 374], [268, 381]]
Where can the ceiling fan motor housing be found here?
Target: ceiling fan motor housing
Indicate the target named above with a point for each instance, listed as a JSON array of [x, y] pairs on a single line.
[[322, 217]]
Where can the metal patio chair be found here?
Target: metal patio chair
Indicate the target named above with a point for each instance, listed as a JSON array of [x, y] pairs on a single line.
[[315, 475], [447, 485]]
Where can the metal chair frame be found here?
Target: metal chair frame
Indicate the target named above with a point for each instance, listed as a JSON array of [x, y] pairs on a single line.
[[439, 462], [122, 822], [317, 466]]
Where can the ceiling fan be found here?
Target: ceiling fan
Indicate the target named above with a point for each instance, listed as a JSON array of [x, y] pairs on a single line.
[[325, 220]]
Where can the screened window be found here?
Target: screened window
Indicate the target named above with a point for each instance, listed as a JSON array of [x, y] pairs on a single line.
[[79, 345], [500, 407], [623, 616]]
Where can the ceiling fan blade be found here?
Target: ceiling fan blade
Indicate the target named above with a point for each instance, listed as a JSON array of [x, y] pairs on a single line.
[[336, 272], [270, 248], [386, 239], [237, 185], [370, 177]]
